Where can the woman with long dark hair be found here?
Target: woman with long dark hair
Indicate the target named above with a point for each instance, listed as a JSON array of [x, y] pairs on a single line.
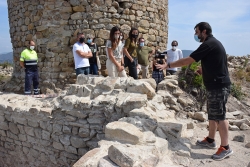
[[130, 51], [114, 50]]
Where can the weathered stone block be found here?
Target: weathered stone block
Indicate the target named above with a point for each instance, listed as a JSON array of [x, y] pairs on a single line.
[[84, 132], [173, 128], [11, 135], [57, 128], [19, 120], [77, 142], [29, 131], [66, 129], [22, 137], [127, 156], [58, 146], [65, 139], [38, 133], [2, 133], [45, 135], [141, 87], [4, 126], [21, 129], [13, 128], [2, 118], [71, 149], [76, 16], [124, 132], [33, 123], [31, 139]]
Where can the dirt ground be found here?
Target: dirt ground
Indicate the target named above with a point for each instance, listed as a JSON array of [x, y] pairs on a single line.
[[201, 157]]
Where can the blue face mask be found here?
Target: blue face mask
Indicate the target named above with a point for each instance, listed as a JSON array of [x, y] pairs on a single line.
[[142, 44], [197, 38], [89, 41]]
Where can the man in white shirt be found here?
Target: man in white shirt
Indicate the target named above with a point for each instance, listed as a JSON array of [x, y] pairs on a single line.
[[173, 54], [82, 53]]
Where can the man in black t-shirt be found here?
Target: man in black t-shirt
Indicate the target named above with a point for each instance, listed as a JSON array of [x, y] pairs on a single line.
[[216, 79], [92, 60]]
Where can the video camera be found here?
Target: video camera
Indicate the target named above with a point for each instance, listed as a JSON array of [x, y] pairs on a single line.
[[160, 55]]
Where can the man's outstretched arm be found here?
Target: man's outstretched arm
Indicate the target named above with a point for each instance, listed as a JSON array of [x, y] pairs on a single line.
[[178, 63]]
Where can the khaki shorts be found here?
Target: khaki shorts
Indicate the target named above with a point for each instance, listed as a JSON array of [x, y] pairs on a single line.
[[216, 103]]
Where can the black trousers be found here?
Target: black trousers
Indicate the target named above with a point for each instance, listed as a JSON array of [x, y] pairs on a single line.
[[132, 67]]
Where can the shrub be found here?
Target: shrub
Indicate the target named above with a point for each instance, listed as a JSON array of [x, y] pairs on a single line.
[[240, 74], [194, 66], [5, 64], [198, 81], [245, 63], [248, 77], [236, 91], [183, 68]]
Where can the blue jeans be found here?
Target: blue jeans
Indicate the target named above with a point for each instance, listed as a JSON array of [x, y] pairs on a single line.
[[93, 69], [31, 76], [82, 70]]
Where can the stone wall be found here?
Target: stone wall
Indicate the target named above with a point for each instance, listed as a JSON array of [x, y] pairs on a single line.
[[57, 131], [53, 25]]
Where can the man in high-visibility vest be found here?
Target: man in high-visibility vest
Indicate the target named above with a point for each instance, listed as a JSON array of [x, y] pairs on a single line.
[[28, 61]]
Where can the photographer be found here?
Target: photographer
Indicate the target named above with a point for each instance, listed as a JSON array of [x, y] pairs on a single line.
[[158, 73]]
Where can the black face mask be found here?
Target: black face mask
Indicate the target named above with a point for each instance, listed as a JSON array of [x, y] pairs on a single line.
[[134, 36], [81, 40]]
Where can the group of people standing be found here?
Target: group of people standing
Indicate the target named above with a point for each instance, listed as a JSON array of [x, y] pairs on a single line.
[[132, 53], [211, 53], [85, 55]]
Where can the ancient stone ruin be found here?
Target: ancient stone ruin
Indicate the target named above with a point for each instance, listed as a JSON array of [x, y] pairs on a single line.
[[57, 131], [53, 25], [110, 122]]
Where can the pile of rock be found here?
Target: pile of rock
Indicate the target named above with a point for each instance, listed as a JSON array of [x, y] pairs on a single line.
[[238, 61], [122, 121], [6, 71]]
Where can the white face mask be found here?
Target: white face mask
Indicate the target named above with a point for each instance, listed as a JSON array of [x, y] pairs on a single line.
[[117, 36], [32, 47], [174, 47]]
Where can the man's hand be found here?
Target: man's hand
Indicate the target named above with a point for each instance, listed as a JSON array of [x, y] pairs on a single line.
[[161, 66], [199, 71]]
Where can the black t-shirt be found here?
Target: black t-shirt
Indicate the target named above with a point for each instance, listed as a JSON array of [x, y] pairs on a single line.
[[214, 63], [94, 49]]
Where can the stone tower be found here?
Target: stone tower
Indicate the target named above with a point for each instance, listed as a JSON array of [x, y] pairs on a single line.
[[53, 25]]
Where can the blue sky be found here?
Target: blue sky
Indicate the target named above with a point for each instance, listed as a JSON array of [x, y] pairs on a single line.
[[5, 44], [230, 21]]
